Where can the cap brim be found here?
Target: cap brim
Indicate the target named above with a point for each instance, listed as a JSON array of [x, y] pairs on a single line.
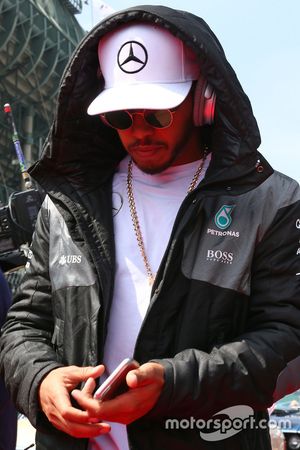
[[140, 96]]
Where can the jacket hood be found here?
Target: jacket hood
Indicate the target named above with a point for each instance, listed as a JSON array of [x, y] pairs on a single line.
[[85, 151]]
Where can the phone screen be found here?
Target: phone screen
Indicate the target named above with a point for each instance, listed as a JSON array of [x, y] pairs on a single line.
[[116, 384]]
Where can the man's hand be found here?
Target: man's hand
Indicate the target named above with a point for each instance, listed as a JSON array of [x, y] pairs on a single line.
[[145, 385], [55, 401]]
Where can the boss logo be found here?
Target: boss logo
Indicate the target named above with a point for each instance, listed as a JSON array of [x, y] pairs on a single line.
[[220, 256]]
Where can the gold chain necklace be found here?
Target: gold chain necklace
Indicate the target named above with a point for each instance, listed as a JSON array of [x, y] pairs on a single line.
[[134, 215]]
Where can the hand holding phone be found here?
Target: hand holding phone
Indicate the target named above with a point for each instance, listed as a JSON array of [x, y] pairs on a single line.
[[116, 384]]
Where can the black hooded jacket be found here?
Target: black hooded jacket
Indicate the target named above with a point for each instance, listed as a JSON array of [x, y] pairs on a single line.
[[225, 308]]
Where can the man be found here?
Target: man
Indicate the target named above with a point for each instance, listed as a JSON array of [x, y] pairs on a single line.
[[8, 414], [165, 235]]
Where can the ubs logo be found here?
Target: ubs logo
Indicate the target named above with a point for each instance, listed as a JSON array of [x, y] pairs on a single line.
[[69, 259]]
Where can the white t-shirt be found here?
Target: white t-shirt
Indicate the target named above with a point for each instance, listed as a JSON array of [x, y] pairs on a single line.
[[157, 199]]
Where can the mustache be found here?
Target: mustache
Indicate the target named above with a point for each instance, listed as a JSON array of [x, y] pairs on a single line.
[[145, 141]]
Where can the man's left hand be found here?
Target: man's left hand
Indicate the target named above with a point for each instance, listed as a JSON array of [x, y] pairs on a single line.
[[145, 385]]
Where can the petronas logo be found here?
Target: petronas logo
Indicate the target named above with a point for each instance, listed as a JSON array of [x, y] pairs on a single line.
[[223, 217]]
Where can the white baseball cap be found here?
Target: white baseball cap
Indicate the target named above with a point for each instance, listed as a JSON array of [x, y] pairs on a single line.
[[144, 67]]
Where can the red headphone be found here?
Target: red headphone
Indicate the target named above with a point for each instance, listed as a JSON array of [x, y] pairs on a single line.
[[204, 103]]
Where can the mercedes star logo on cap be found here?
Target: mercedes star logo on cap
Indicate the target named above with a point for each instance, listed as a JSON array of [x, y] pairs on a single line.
[[132, 57]]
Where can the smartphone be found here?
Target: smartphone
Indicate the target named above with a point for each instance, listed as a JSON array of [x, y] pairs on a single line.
[[116, 384]]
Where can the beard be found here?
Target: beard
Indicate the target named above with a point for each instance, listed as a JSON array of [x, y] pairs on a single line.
[[178, 150]]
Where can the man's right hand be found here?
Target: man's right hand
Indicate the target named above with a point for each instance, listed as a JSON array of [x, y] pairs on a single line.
[[55, 401]]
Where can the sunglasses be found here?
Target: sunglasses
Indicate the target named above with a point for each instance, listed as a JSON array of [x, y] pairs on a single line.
[[123, 120]]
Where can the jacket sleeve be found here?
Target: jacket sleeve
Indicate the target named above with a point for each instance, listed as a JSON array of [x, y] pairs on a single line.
[[26, 351], [245, 371], [5, 298]]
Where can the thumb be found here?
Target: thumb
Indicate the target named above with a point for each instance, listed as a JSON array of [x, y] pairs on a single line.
[[84, 373], [146, 374]]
